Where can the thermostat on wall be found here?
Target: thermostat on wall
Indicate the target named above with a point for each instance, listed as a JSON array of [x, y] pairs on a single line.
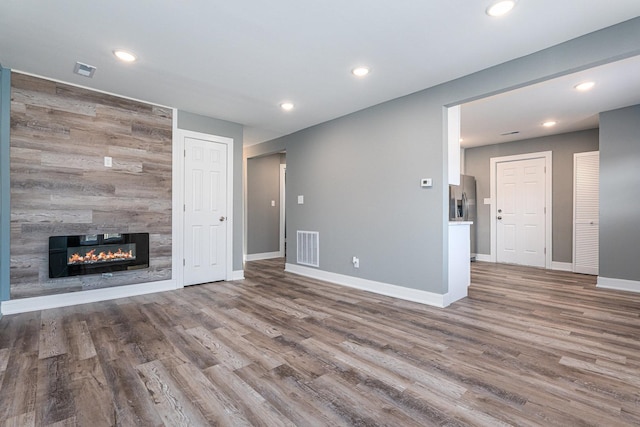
[[426, 182]]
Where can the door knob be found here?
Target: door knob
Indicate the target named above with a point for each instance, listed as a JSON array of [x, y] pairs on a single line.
[[222, 218], [499, 217], [499, 210]]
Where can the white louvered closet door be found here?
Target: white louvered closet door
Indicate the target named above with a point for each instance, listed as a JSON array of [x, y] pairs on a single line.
[[586, 178]]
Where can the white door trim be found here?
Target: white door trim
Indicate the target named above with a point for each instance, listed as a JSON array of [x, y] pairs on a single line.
[[548, 177], [177, 222], [453, 142], [283, 195]]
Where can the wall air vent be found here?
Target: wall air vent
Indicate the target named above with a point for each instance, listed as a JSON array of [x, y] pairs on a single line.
[[308, 243], [84, 69]]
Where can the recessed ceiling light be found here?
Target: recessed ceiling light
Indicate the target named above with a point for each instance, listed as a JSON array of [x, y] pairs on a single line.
[[286, 106], [124, 56], [360, 71], [500, 8], [584, 86], [549, 124]]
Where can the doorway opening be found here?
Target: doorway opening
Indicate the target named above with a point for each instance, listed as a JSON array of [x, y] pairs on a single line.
[[266, 207], [550, 115]]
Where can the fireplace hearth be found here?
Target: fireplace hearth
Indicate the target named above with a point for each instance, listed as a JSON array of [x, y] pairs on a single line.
[[97, 253]]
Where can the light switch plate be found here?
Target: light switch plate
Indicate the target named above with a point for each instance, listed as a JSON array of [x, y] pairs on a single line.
[[301, 200], [426, 182], [108, 162]]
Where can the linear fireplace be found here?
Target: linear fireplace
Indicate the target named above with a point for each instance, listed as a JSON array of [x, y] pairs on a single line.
[[97, 253]]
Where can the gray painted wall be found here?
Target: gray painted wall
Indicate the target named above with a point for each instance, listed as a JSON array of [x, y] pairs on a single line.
[[477, 161], [620, 193], [359, 176], [5, 205], [360, 173], [263, 220], [211, 126]]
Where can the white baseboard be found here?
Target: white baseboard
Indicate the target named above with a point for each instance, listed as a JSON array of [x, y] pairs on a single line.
[[400, 292], [265, 255], [618, 284], [483, 257], [238, 275], [561, 266], [24, 305]]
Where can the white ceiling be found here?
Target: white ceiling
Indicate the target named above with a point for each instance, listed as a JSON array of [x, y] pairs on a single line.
[[238, 60], [524, 110]]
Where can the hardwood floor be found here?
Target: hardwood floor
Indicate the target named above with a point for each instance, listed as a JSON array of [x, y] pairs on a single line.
[[529, 347]]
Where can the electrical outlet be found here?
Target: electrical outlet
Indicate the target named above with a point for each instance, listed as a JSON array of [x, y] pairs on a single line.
[[356, 262]]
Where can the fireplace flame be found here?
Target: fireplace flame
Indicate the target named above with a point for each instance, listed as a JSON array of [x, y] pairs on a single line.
[[91, 257]]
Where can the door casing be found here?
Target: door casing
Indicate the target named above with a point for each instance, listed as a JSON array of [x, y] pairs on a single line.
[[283, 204]]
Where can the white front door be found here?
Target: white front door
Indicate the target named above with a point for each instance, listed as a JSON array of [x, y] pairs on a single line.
[[205, 211], [520, 212]]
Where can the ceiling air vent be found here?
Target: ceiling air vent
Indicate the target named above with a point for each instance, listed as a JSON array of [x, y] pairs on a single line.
[[84, 69]]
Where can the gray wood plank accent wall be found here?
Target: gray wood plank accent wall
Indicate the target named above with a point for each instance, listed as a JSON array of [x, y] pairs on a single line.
[[60, 135]]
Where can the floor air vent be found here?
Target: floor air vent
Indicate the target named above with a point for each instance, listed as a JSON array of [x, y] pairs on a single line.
[[308, 248]]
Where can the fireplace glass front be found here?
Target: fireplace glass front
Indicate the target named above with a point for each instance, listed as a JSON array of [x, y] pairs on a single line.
[[97, 253]]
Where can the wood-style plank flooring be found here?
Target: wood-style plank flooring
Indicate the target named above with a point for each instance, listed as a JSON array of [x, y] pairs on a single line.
[[529, 347]]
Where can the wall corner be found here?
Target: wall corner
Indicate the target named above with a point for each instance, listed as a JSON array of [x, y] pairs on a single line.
[[5, 211]]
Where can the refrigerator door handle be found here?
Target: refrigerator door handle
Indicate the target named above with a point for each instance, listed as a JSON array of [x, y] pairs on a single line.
[[465, 207]]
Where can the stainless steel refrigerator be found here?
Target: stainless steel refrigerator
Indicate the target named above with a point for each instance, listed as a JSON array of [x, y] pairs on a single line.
[[462, 206]]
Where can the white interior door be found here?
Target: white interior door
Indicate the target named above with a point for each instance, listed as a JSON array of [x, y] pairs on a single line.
[[520, 212], [586, 205], [205, 211]]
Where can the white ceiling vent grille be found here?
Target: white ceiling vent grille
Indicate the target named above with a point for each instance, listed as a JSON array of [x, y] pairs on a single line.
[[308, 248], [84, 69]]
